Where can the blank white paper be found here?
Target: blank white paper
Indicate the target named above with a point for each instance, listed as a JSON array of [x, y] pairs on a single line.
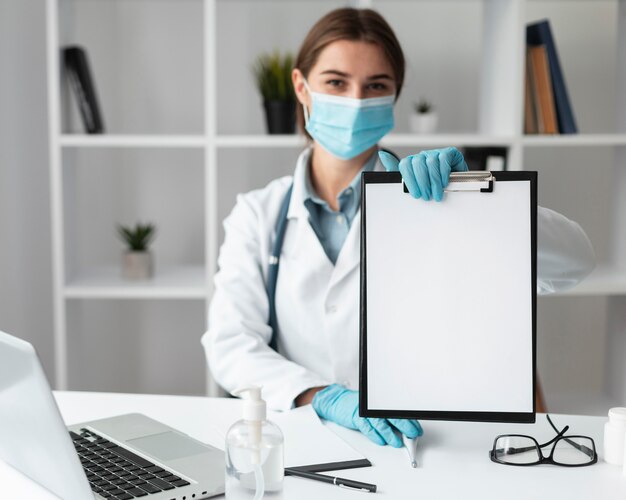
[[449, 300]]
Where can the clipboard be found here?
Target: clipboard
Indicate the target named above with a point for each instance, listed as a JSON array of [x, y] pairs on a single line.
[[448, 299]]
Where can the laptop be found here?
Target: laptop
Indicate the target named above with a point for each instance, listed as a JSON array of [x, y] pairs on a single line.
[[119, 458]]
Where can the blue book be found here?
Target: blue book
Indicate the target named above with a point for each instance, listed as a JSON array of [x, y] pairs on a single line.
[[539, 33]]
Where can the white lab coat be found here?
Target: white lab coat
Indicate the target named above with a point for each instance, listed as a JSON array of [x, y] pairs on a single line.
[[317, 303]]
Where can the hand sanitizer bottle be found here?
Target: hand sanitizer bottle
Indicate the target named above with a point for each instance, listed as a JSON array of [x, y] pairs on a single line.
[[254, 451]]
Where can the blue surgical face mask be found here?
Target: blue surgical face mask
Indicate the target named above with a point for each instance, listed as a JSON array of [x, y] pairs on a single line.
[[346, 127]]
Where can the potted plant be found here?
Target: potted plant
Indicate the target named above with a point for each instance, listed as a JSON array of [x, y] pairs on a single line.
[[137, 262], [273, 79], [423, 120]]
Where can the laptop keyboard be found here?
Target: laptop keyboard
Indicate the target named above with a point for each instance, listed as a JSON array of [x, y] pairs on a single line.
[[117, 473]]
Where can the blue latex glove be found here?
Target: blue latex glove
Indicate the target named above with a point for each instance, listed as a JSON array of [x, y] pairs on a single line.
[[427, 173], [341, 405]]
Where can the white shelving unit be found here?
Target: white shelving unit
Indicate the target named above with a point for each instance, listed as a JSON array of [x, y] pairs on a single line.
[[185, 134]]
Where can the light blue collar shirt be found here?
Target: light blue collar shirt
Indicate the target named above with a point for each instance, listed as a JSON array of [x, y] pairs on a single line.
[[330, 226]]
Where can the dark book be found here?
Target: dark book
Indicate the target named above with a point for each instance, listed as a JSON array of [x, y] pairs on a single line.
[[83, 87], [539, 33]]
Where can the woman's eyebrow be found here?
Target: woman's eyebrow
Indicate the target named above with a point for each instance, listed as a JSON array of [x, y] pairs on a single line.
[[335, 72], [343, 74], [380, 77]]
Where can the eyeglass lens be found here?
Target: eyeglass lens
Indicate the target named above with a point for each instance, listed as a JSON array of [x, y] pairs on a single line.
[[575, 450], [517, 450]]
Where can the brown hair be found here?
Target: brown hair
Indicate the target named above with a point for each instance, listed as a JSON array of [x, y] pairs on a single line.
[[349, 24]]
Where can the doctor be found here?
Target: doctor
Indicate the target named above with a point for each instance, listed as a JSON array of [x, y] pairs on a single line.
[[347, 77]]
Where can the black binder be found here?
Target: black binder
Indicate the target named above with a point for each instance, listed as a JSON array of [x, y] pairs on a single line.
[[83, 87]]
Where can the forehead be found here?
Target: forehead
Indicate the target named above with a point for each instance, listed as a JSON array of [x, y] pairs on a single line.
[[357, 58]]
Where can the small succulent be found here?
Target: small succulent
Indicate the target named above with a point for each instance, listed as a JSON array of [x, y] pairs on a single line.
[[137, 238], [423, 106], [273, 76]]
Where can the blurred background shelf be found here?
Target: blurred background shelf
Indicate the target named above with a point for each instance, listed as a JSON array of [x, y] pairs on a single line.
[[260, 141], [122, 141], [107, 283], [574, 140], [442, 140], [393, 139]]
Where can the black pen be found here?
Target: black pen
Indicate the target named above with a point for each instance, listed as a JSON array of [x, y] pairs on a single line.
[[337, 481]]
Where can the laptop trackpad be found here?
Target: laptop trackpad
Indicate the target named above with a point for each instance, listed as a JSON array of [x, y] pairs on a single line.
[[168, 446]]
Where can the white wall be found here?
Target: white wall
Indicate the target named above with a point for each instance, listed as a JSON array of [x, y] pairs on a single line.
[[25, 264]]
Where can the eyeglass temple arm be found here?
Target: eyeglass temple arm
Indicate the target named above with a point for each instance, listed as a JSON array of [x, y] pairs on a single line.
[[559, 435], [581, 447], [552, 424]]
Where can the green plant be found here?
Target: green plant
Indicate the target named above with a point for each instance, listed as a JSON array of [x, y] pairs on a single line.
[[137, 238], [423, 106], [273, 76]]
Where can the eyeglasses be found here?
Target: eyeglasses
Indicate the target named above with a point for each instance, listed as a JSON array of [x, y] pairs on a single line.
[[569, 451]]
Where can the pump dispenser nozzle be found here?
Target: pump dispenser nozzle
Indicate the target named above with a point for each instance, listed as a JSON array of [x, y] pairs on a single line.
[[254, 408]]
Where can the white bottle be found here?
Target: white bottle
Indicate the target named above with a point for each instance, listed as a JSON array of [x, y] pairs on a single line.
[[254, 451], [624, 461], [614, 436]]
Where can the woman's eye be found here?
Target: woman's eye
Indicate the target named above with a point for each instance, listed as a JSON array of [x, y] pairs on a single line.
[[335, 83], [377, 86]]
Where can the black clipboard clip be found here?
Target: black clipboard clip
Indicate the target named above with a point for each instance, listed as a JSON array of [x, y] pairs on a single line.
[[475, 180]]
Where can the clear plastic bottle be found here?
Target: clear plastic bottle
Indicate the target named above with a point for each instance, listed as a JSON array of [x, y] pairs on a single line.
[[254, 452]]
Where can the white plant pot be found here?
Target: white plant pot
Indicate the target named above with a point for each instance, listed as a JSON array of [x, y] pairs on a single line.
[[423, 123], [137, 265]]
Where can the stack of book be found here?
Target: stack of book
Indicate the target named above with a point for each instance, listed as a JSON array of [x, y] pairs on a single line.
[[547, 105]]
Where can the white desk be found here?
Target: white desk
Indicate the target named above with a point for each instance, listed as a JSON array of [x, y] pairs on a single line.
[[453, 457]]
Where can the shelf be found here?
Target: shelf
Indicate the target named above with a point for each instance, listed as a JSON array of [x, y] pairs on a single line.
[[397, 140], [604, 280], [125, 141], [574, 140], [188, 282], [408, 140], [297, 140], [261, 141]]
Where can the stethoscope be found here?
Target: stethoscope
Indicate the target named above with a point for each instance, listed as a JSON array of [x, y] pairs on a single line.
[[274, 261]]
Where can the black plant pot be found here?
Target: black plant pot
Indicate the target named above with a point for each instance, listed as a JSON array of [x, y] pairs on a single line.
[[280, 116]]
